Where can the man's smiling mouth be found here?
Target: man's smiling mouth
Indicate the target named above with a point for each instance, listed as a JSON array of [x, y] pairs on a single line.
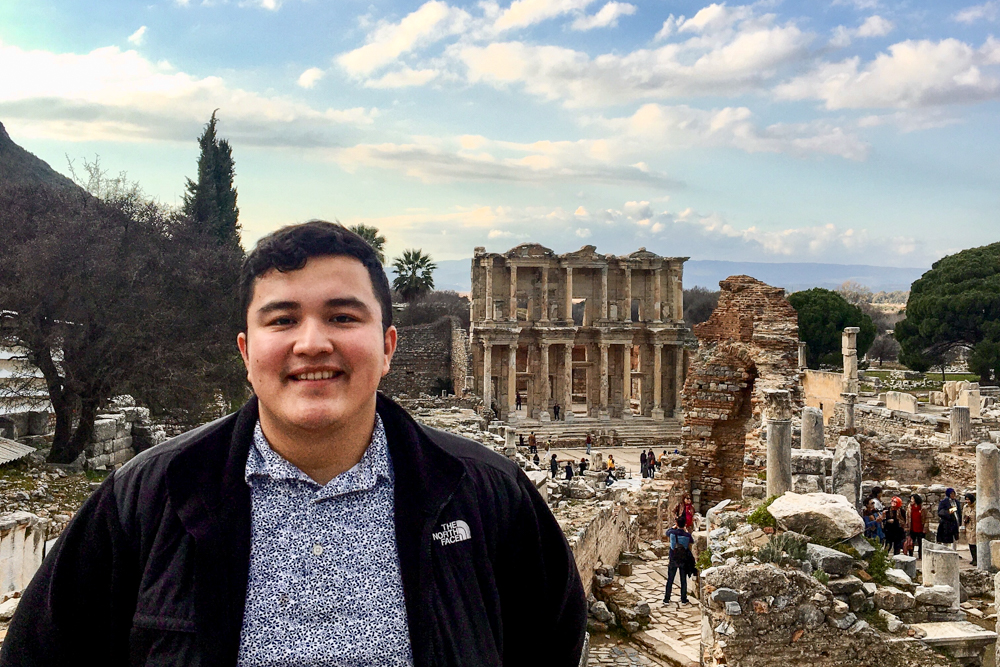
[[316, 375]]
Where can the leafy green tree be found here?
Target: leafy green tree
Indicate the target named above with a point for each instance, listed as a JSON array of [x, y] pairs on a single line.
[[210, 202], [414, 274], [374, 239], [699, 303], [955, 304], [985, 361], [823, 316], [885, 348]]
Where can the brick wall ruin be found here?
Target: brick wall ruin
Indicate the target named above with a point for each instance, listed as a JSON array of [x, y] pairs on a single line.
[[427, 356], [750, 343]]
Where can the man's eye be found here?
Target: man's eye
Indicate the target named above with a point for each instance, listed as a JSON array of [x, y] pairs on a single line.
[[282, 321], [344, 319]]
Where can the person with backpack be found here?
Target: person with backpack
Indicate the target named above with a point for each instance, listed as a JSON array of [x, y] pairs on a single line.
[[681, 560]]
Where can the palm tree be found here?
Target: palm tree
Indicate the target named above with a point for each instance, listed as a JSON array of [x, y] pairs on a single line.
[[374, 239], [413, 274]]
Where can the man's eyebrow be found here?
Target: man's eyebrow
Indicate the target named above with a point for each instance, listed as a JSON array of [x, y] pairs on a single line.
[[347, 302], [277, 305]]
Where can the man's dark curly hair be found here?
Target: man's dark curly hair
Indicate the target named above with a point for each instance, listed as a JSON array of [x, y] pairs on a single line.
[[288, 249]]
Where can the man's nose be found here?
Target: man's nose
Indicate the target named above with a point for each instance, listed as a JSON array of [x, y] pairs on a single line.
[[313, 339]]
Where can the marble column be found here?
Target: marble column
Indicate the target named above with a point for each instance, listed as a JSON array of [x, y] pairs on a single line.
[[679, 377], [941, 568], [569, 294], [778, 407], [627, 315], [488, 267], [512, 313], [678, 294], [812, 429], [658, 381], [604, 293], [603, 414], [545, 294], [657, 296], [546, 390], [849, 400], [487, 374], [987, 503], [803, 363], [511, 379], [849, 350], [627, 380], [568, 370], [961, 424]]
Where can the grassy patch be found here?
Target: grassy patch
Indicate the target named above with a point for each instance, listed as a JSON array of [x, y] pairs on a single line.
[[874, 619], [704, 560], [760, 517], [879, 563], [780, 548], [821, 576]]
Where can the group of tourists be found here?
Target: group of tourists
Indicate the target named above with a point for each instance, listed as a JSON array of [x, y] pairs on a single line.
[[902, 529], [649, 464]]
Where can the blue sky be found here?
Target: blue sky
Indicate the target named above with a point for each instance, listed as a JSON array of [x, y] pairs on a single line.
[[855, 131]]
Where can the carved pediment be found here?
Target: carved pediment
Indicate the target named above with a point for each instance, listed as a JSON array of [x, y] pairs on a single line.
[[529, 250], [587, 252], [642, 253]]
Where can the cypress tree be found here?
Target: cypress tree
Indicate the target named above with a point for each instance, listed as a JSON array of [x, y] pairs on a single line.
[[210, 202]]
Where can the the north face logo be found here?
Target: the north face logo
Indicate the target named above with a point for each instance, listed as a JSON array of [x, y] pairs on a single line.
[[455, 531]]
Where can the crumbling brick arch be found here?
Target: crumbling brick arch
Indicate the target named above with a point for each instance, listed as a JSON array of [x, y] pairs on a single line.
[[750, 343]]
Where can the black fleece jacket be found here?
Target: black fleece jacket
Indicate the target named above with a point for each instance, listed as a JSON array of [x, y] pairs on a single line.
[[153, 568]]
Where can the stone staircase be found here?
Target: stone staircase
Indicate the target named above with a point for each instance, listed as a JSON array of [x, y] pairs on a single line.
[[635, 432]]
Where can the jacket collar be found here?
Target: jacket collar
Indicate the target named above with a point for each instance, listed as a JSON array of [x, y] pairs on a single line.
[[208, 489]]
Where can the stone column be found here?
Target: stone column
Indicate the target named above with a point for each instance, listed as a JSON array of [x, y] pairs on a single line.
[[545, 294], [941, 568], [679, 377], [627, 380], [812, 429], [778, 406], [604, 292], [569, 294], [658, 381], [627, 315], [487, 374], [849, 349], [846, 469], [657, 299], [961, 424], [603, 414], [488, 266], [568, 370], [987, 503], [849, 401], [803, 359], [678, 295], [511, 380], [512, 313], [546, 389]]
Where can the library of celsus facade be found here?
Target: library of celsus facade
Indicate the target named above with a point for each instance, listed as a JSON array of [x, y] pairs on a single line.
[[599, 336]]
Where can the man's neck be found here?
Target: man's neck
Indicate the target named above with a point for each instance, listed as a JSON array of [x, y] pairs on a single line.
[[324, 454]]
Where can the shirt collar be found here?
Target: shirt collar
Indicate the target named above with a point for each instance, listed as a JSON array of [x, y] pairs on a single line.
[[375, 464]]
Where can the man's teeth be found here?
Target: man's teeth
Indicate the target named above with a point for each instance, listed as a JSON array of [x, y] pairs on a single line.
[[322, 375]]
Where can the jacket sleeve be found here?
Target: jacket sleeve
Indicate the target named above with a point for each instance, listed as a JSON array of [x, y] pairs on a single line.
[[82, 585], [539, 566]]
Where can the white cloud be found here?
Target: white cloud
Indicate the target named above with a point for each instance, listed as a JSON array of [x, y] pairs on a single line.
[[715, 18], [669, 28], [988, 11], [583, 233], [727, 63], [607, 16], [138, 37], [523, 13], [115, 95], [403, 78], [913, 74], [431, 22], [310, 77], [875, 26]]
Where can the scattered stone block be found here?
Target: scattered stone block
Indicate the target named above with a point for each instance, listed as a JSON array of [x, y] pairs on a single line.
[[937, 596], [831, 561], [901, 401], [722, 595], [898, 578], [824, 515], [907, 564], [893, 599], [733, 608], [862, 546], [8, 608], [845, 585]]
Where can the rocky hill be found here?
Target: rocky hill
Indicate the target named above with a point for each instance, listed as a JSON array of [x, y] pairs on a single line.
[[19, 167]]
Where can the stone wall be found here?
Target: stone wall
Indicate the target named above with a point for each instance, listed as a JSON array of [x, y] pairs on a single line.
[[598, 533], [822, 390], [426, 356], [22, 543], [118, 436], [749, 344]]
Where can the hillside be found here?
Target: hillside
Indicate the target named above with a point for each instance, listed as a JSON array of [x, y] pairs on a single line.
[[19, 167]]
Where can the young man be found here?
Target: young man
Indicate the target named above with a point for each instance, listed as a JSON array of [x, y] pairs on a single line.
[[319, 525], [679, 556]]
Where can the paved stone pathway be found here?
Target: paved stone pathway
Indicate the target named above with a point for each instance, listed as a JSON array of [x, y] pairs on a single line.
[[622, 655], [675, 633]]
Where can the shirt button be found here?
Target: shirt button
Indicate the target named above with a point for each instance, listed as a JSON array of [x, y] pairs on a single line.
[[317, 550]]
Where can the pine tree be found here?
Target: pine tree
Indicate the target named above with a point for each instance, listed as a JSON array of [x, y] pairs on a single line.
[[210, 202]]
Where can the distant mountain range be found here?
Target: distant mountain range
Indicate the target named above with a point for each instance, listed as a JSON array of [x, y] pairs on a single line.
[[455, 275]]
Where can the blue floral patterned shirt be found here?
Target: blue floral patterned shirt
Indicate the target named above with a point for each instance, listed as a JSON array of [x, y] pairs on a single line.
[[324, 585]]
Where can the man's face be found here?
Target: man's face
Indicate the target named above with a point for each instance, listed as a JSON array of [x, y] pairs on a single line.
[[314, 348]]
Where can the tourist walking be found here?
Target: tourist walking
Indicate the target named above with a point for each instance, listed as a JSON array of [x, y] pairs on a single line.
[[685, 513], [532, 443], [611, 463], [969, 521], [651, 464], [588, 443], [680, 560], [642, 464], [947, 511], [894, 525], [555, 411], [554, 466], [917, 518]]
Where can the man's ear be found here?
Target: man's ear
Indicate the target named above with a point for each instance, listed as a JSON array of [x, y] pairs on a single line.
[[241, 342], [389, 345]]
